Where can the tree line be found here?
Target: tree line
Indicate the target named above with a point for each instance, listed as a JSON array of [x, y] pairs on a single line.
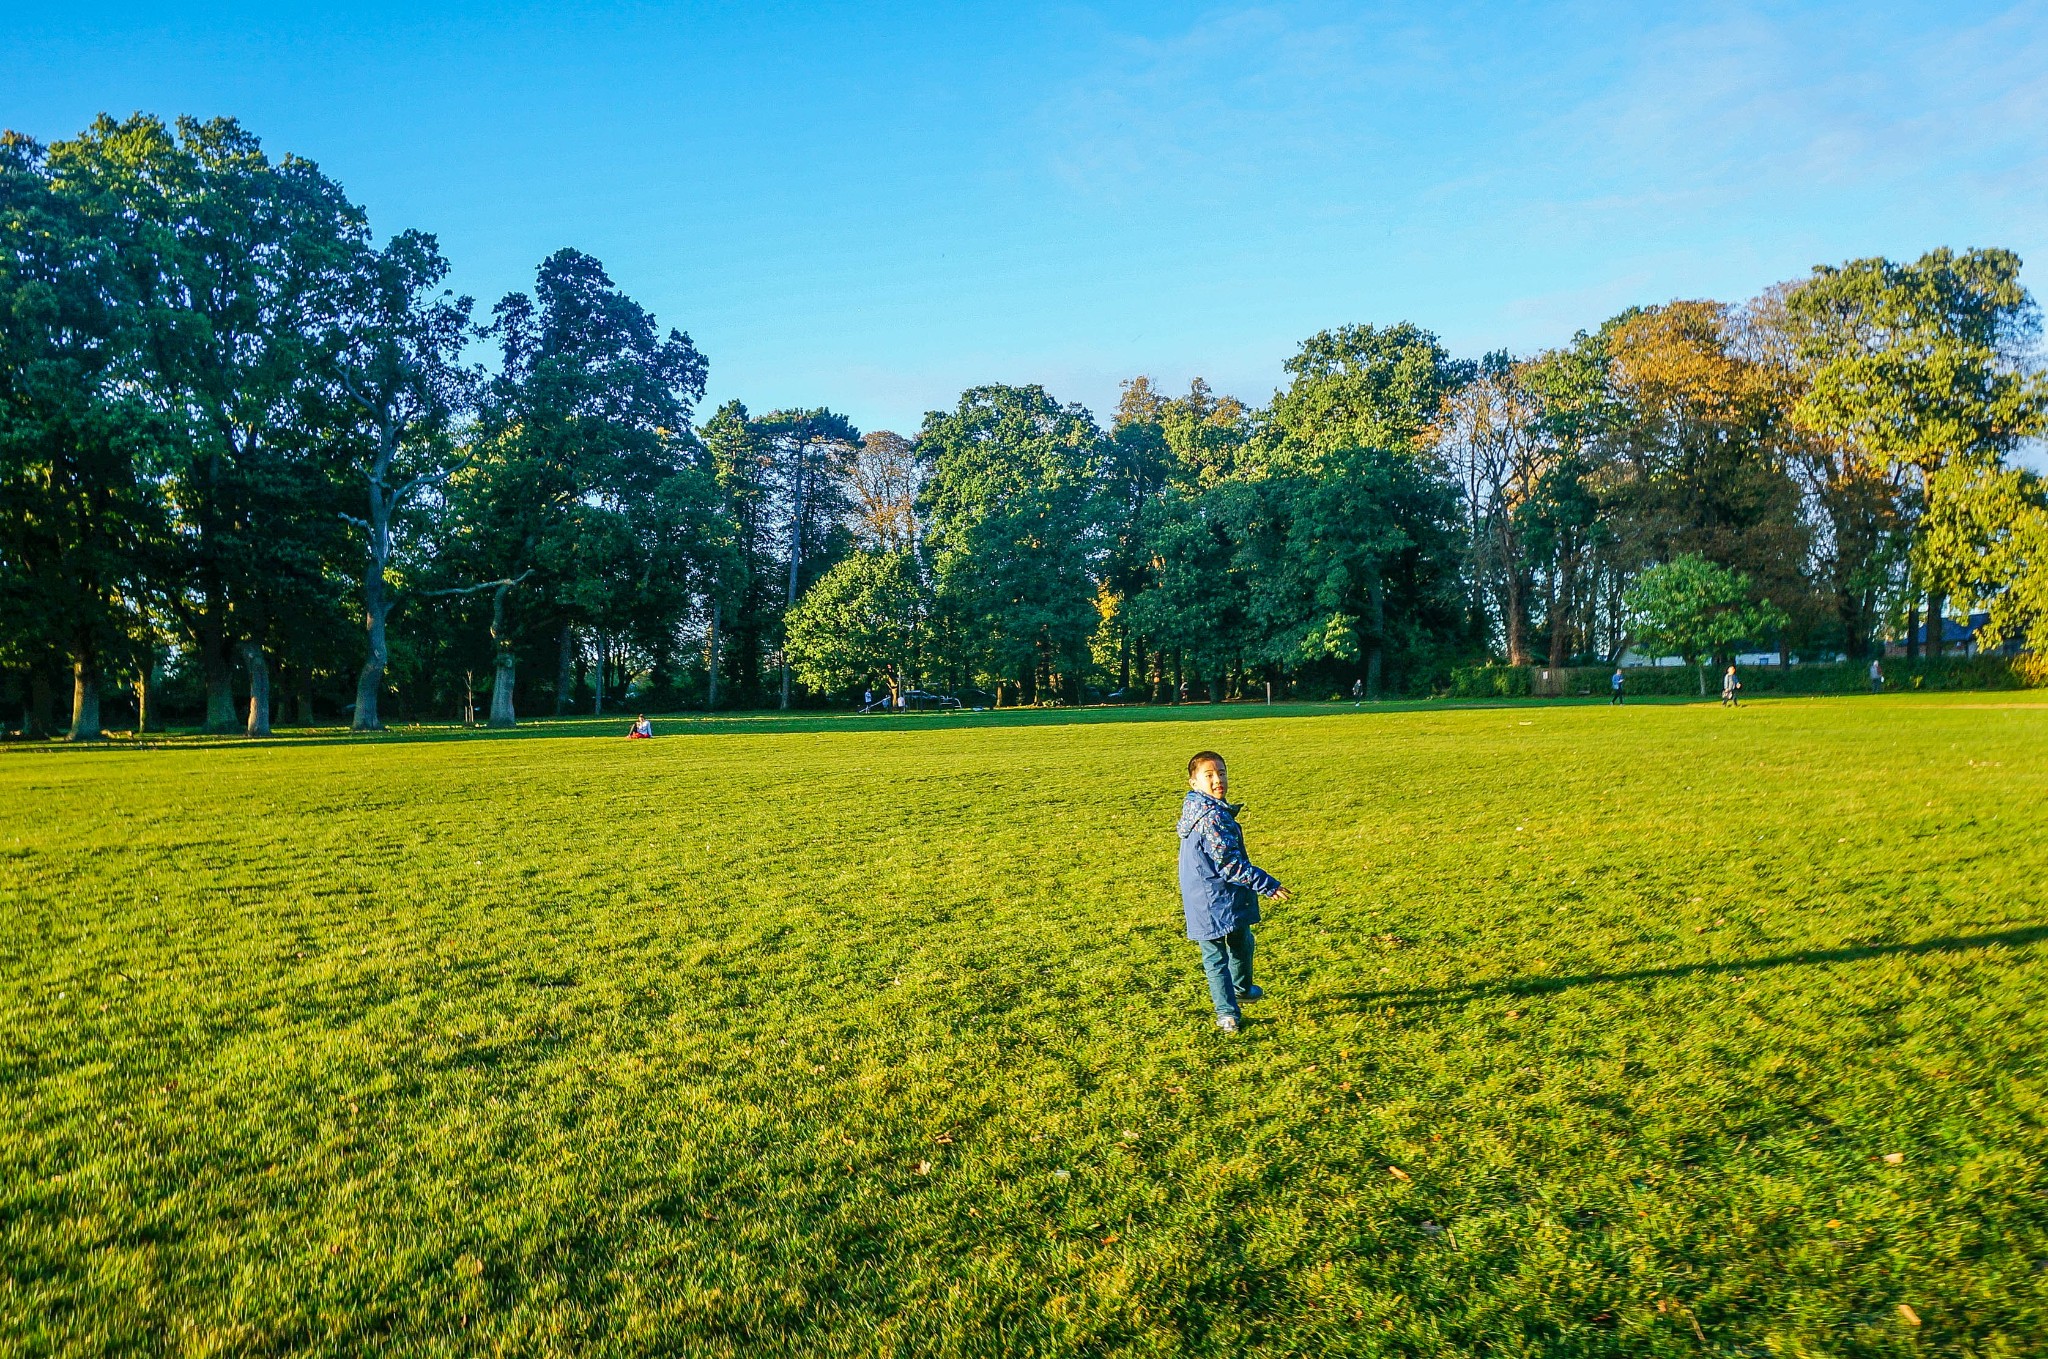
[[255, 465]]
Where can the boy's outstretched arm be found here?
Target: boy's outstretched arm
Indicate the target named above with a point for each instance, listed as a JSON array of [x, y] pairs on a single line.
[[1226, 851]]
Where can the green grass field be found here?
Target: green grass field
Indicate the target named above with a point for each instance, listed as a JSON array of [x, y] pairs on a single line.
[[1666, 1030]]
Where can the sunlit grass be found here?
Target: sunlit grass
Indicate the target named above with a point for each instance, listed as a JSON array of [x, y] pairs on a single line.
[[846, 1039]]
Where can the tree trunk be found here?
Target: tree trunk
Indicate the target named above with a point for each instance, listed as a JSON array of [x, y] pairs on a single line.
[[598, 676], [565, 672], [1702, 667], [1855, 635], [85, 696], [39, 716], [1560, 618], [505, 659], [146, 681], [711, 672], [259, 689], [220, 682], [796, 557], [370, 682], [305, 677], [1913, 630], [1518, 651], [502, 675], [1377, 598], [1937, 624]]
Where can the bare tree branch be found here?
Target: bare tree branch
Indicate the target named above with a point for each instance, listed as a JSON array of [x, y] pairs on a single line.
[[434, 478], [348, 385], [474, 589]]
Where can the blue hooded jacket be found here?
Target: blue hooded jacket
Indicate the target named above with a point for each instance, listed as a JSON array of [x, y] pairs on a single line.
[[1219, 887]]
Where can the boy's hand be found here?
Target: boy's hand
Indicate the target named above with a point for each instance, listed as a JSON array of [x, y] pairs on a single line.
[[1282, 895]]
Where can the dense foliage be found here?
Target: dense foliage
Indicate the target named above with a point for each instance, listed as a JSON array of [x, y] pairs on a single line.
[[252, 463]]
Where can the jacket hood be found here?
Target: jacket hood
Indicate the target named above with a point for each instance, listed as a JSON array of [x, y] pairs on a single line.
[[1198, 807]]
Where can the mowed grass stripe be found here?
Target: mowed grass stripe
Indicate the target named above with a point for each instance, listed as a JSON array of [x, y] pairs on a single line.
[[886, 1041]]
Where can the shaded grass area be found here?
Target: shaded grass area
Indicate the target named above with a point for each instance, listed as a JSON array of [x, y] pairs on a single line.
[[854, 1040]]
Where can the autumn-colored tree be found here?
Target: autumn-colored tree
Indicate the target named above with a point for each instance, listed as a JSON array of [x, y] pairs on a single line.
[[1702, 435]]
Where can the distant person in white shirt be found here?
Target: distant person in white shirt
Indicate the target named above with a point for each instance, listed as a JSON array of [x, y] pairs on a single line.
[[1729, 687], [1876, 676]]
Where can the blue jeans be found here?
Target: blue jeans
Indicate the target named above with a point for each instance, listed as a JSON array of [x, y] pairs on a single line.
[[1228, 961]]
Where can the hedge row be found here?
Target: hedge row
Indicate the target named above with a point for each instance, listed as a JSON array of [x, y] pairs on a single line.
[[1852, 677]]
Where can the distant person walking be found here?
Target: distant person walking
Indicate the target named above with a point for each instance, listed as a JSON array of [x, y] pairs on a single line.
[[1876, 676], [1614, 688], [1357, 692], [1220, 888], [1730, 686]]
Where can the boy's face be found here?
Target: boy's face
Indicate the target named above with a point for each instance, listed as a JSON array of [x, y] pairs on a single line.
[[1212, 778]]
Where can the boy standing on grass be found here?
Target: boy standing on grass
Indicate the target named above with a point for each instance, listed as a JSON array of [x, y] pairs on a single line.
[[1219, 887]]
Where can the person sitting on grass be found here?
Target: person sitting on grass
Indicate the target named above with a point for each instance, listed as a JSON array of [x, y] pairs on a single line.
[[642, 729], [1220, 887]]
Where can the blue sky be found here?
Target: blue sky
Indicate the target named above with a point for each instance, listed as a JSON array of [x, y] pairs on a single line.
[[873, 206]]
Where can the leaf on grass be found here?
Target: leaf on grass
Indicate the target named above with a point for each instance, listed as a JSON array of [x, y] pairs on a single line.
[[924, 1167], [1112, 1239], [1403, 1176], [1908, 1315], [1893, 1158]]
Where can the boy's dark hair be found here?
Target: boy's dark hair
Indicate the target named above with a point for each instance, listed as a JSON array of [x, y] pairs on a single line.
[[1202, 757]]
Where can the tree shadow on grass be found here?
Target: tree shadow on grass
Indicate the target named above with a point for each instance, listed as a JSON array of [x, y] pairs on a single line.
[[1418, 996]]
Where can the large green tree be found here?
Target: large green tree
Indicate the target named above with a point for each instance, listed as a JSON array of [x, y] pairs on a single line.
[[859, 622], [811, 454], [400, 389], [233, 260], [1360, 387], [586, 465], [79, 527], [744, 607], [1013, 525], [1923, 367], [1697, 609]]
